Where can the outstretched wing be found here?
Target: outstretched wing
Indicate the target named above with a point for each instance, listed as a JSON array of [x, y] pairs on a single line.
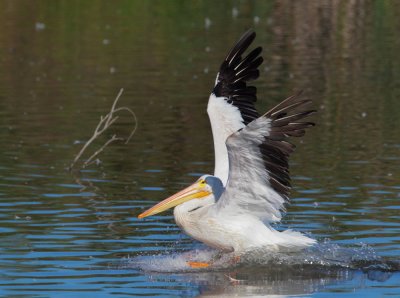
[[259, 181], [231, 103], [233, 75]]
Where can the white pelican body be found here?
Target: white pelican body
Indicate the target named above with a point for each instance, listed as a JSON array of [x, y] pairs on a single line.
[[233, 209], [236, 233]]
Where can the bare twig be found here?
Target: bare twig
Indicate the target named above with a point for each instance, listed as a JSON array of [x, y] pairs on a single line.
[[89, 161], [134, 118], [104, 123]]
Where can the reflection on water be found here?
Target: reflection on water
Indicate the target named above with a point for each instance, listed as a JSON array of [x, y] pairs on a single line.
[[62, 65], [217, 284]]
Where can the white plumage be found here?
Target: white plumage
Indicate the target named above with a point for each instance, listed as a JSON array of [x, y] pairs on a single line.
[[233, 209], [247, 190], [225, 119]]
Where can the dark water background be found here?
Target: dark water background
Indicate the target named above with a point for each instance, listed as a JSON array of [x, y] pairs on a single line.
[[62, 64]]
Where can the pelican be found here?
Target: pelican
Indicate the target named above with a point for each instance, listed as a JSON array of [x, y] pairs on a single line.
[[233, 209]]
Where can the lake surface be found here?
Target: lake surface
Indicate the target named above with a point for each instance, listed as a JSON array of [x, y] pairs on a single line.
[[62, 63]]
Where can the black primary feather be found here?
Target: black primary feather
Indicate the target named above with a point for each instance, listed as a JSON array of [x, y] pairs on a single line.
[[234, 74], [275, 150]]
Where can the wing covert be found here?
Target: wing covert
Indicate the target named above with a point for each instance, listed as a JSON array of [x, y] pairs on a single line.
[[259, 181]]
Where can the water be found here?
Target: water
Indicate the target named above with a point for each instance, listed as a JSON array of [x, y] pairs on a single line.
[[69, 235]]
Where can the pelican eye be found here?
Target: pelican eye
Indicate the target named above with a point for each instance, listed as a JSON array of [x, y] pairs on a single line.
[[203, 182]]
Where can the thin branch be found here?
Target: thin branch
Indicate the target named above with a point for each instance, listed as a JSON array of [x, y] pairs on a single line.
[[134, 119], [104, 123], [90, 159]]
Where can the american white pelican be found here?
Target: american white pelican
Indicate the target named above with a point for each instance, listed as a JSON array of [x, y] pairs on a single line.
[[233, 209]]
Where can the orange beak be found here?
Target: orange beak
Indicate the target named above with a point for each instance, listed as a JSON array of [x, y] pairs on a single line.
[[194, 191]]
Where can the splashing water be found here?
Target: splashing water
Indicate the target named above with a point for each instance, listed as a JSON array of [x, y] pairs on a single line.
[[322, 256], [263, 273]]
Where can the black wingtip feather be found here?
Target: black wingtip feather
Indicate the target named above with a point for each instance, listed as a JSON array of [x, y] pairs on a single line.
[[244, 42], [234, 74], [275, 150]]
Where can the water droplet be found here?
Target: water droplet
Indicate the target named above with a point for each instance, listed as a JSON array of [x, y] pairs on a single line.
[[207, 23], [235, 12], [40, 26]]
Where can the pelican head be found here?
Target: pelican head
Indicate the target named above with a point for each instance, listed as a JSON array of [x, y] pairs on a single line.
[[203, 192]]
